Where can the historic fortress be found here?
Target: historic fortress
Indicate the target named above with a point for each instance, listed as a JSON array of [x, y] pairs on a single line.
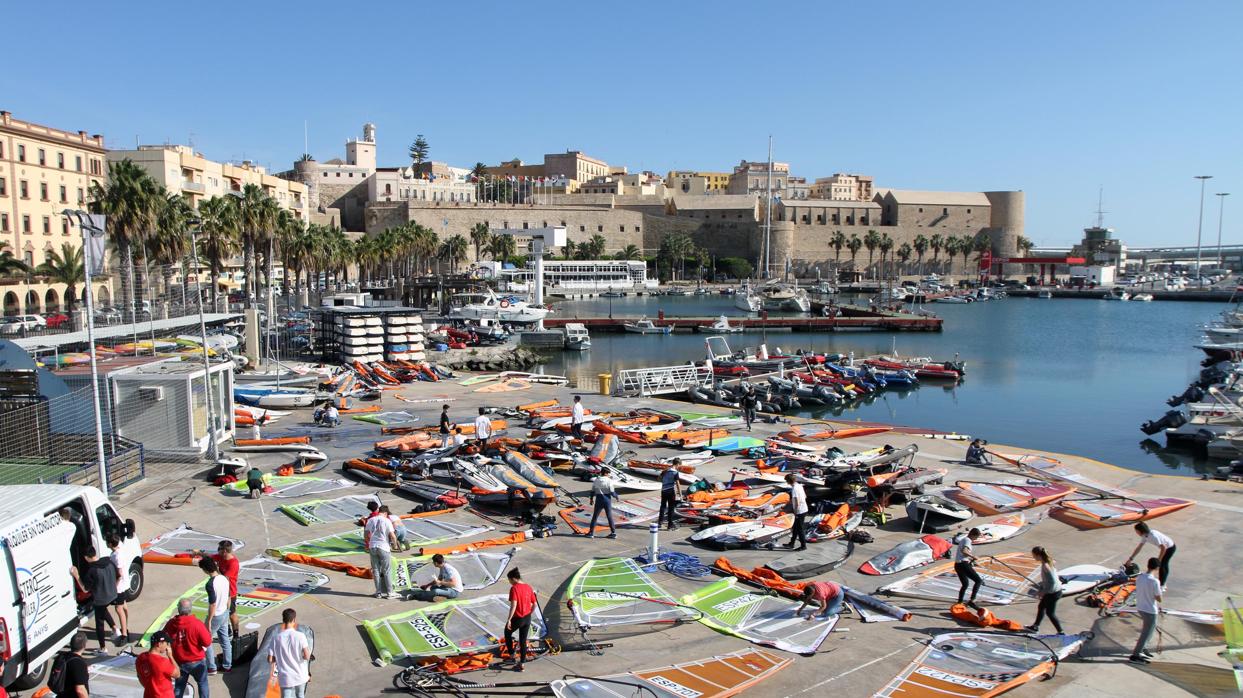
[[722, 212]]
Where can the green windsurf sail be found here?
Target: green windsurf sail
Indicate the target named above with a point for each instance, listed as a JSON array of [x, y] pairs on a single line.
[[262, 585], [322, 511], [765, 620], [478, 569], [446, 628], [419, 532], [290, 485], [616, 591]]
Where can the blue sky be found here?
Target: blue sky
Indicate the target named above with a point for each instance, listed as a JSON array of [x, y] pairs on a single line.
[[1054, 98]]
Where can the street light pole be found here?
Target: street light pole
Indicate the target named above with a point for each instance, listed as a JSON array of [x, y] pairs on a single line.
[[1221, 212], [89, 229], [1200, 228], [213, 451]]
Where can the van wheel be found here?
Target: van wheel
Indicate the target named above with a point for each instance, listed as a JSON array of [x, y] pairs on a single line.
[[34, 678], [133, 588]]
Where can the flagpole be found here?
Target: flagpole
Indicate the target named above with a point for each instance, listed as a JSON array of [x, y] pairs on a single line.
[[88, 230]]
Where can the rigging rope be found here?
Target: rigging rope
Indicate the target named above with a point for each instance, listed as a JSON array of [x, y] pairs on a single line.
[[678, 564]]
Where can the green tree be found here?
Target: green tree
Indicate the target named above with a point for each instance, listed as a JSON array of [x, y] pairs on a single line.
[[502, 247], [736, 267], [419, 150], [1025, 245], [10, 265], [904, 253], [170, 244], [886, 246], [219, 234], [570, 249], [871, 241], [629, 252], [837, 242], [952, 246], [921, 248], [853, 245], [479, 236], [675, 248], [129, 197], [64, 267], [936, 243], [597, 245], [453, 251]]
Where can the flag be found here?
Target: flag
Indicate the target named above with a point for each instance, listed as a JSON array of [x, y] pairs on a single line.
[[93, 253]]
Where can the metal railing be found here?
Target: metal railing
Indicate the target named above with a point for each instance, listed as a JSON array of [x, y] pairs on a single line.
[[660, 380]]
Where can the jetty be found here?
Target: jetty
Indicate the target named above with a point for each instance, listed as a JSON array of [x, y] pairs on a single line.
[[894, 322]]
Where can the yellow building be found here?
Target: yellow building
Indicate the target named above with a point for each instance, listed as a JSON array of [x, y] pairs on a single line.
[[697, 183], [43, 171]]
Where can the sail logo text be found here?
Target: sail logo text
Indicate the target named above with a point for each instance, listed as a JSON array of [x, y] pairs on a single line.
[[953, 678], [428, 632], [674, 688], [727, 606]]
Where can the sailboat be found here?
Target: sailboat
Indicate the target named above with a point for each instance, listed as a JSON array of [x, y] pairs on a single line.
[[746, 299]]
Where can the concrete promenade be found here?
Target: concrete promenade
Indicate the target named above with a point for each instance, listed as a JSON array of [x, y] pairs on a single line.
[[854, 661]]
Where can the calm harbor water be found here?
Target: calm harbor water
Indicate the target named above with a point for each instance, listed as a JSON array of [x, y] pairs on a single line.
[[1073, 376]]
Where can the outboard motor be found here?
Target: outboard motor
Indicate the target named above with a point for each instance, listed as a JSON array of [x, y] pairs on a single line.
[[1193, 393], [959, 366], [1171, 420]]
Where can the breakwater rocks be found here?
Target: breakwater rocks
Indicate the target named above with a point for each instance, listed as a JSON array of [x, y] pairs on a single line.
[[501, 358]]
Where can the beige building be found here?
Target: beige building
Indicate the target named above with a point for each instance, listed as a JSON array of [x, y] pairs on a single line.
[[572, 165], [430, 182], [337, 189], [183, 171], [842, 187], [697, 183], [752, 178], [43, 171], [637, 184], [951, 210]]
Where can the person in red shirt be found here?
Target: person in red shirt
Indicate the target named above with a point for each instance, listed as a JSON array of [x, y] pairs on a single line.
[[827, 594], [522, 603], [156, 669], [228, 566], [190, 644]]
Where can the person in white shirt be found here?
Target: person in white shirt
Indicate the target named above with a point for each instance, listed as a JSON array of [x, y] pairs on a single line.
[[381, 539], [483, 429], [332, 416], [798, 507], [291, 655], [217, 620], [1147, 601], [448, 581], [458, 437], [603, 493], [576, 418], [964, 566], [1164, 544]]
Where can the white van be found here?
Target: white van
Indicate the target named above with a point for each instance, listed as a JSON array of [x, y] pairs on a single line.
[[38, 607]]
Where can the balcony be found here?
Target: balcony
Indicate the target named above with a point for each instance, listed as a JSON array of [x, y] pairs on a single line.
[[296, 203], [196, 187]]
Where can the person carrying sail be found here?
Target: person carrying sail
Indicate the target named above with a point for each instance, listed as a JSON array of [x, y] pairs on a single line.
[[1164, 544], [964, 565]]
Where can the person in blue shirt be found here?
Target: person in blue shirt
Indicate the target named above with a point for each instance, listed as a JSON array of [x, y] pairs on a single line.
[[670, 493]]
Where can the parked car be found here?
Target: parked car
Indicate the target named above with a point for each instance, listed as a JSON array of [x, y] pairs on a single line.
[[107, 315], [16, 323], [56, 320]]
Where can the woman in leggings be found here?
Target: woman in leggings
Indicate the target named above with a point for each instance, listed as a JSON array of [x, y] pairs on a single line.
[[964, 566], [1050, 588]]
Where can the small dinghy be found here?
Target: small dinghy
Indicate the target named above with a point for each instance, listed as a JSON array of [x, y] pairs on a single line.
[[932, 512]]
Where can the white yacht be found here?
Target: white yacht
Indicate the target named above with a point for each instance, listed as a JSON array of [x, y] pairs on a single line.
[[721, 326], [488, 306], [780, 296], [745, 299]]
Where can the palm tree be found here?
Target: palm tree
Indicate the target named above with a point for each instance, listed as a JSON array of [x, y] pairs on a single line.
[[904, 253], [1025, 245], [837, 242], [596, 245], [676, 247], [501, 247], [252, 213], [64, 267], [886, 245], [951, 246], [419, 150], [453, 251], [629, 252], [937, 243], [10, 265], [871, 241], [982, 244], [921, 247], [218, 237], [479, 235], [170, 243], [853, 245], [569, 249], [129, 200]]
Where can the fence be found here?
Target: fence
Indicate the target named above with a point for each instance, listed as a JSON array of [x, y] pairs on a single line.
[[52, 440]]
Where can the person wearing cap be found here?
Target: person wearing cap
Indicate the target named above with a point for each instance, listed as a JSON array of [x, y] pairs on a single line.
[[156, 668], [190, 643]]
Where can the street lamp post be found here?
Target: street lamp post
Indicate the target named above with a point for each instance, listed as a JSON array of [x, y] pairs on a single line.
[[89, 229], [213, 451], [1221, 211], [1200, 228]]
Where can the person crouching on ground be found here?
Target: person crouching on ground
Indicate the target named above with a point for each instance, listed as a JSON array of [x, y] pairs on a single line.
[[827, 594], [976, 455], [448, 582]]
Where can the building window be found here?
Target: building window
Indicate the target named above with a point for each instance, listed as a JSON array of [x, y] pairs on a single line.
[[4, 222], [42, 156], [968, 210], [21, 153], [4, 187], [77, 163], [325, 174], [945, 211], [338, 175], [582, 228], [25, 223], [921, 210], [524, 225], [599, 229], [81, 196], [621, 228], [636, 229], [47, 225], [64, 194], [43, 191], [1, 149], [29, 258], [60, 160], [562, 224], [64, 226], [388, 189], [23, 189], [864, 220]]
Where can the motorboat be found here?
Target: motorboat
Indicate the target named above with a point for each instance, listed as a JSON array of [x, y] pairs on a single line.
[[1044, 293], [746, 299], [576, 336], [788, 297], [613, 294], [645, 326], [823, 288], [721, 326], [489, 306], [953, 299], [272, 396], [1116, 294], [1142, 297], [677, 291], [894, 294]]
